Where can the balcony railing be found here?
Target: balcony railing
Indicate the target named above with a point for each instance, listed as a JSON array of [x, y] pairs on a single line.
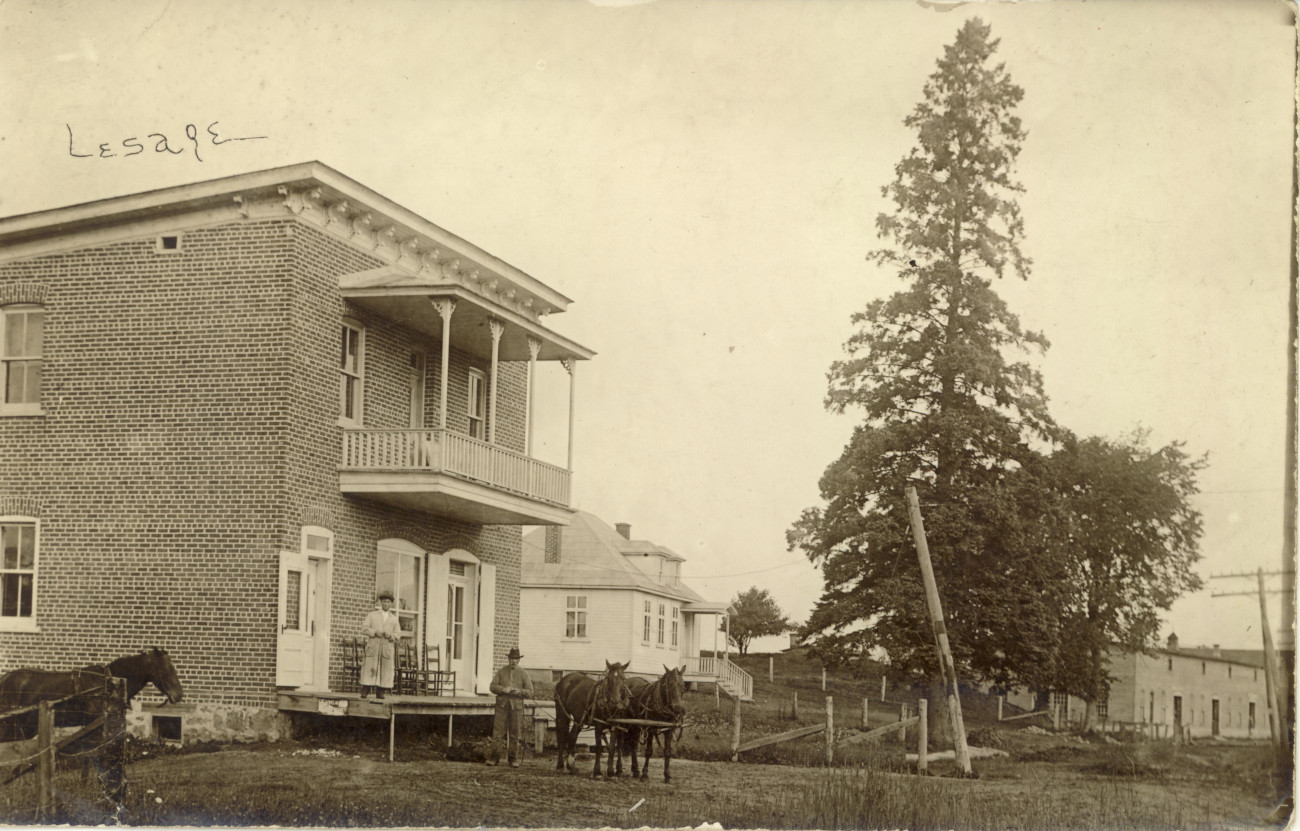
[[442, 451]]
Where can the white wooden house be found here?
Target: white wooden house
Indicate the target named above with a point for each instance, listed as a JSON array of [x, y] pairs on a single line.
[[590, 594]]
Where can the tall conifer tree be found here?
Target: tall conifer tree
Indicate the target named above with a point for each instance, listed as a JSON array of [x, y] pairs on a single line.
[[947, 405]]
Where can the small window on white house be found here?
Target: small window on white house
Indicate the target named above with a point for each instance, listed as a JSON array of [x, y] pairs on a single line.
[[477, 403], [351, 372], [661, 625], [19, 550], [674, 642], [22, 335], [645, 622], [575, 616]]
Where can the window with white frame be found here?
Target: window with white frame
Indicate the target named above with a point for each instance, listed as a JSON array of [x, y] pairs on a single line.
[[22, 331], [351, 371], [645, 622], [19, 549], [477, 403], [674, 641], [660, 640], [575, 616]]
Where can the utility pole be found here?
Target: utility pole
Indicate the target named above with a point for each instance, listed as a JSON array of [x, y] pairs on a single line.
[[1278, 728], [961, 751]]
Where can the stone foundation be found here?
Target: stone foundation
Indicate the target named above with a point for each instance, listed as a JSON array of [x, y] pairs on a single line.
[[202, 722]]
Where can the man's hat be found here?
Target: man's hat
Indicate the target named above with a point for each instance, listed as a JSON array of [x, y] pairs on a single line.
[[514, 653], [385, 593]]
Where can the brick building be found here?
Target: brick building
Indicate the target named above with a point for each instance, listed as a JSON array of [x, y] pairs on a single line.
[[235, 409]]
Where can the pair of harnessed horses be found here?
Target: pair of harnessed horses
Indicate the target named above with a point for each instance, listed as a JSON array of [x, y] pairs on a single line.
[[621, 713]]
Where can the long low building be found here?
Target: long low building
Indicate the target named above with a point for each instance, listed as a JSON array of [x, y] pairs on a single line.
[[1201, 692]]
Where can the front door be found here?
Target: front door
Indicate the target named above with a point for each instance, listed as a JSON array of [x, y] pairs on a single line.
[[1178, 714], [458, 631], [301, 646], [462, 617], [1214, 717]]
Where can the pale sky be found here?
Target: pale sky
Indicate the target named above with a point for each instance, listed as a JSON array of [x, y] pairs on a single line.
[[703, 180]]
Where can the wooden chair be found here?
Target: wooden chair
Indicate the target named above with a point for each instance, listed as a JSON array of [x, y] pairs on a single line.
[[406, 676], [432, 679], [354, 654]]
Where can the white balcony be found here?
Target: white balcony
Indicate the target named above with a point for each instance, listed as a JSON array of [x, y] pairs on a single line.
[[450, 474]]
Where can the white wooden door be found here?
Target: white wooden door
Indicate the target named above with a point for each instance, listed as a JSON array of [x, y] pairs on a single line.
[[295, 646]]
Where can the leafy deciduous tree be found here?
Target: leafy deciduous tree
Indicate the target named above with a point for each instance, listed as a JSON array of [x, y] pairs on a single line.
[[754, 615], [1126, 534]]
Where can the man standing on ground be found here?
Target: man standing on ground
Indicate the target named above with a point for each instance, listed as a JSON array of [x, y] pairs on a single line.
[[511, 686]]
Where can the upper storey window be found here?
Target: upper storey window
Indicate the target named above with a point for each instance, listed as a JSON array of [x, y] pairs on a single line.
[[22, 329], [477, 403], [351, 368]]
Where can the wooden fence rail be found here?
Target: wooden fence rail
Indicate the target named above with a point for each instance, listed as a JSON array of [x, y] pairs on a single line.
[[41, 753], [828, 728]]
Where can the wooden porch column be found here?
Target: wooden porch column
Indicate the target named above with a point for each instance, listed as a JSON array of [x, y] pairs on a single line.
[[534, 347], [571, 366], [497, 328], [444, 306]]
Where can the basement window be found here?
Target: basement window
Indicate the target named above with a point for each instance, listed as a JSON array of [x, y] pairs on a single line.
[[167, 729], [168, 243]]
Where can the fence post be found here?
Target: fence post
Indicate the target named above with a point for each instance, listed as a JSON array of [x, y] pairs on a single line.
[[830, 729], [114, 751], [902, 715], [735, 730], [794, 711], [823, 679], [769, 668], [923, 737], [864, 713], [882, 689], [44, 760], [1001, 698]]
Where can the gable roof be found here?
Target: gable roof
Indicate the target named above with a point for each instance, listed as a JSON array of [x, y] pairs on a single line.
[[593, 555]]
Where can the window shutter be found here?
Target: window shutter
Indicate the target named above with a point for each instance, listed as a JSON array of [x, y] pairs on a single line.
[[487, 613]]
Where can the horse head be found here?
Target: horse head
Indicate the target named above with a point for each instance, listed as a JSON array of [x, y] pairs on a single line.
[[615, 683], [671, 689], [150, 666]]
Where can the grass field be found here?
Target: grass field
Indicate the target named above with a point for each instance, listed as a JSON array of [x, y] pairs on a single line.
[[338, 775]]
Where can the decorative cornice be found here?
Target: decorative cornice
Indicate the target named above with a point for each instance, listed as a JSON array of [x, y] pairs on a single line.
[[408, 254]]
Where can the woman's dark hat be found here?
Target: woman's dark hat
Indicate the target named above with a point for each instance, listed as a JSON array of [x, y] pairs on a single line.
[[385, 593], [514, 653]]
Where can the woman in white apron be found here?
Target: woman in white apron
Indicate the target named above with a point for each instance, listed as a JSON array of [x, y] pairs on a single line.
[[382, 632]]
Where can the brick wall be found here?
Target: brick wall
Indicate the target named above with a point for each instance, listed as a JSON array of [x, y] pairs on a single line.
[[190, 431]]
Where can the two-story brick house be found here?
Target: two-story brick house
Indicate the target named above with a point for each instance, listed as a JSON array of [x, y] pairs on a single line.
[[234, 410]]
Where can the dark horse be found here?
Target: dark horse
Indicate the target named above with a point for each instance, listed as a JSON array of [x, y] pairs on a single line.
[[660, 701], [582, 702], [24, 687]]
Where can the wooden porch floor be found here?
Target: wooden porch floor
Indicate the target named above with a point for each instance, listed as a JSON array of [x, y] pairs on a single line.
[[352, 705]]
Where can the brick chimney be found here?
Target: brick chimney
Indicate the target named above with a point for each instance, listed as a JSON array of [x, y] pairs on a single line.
[[624, 529], [1173, 641], [554, 538]]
